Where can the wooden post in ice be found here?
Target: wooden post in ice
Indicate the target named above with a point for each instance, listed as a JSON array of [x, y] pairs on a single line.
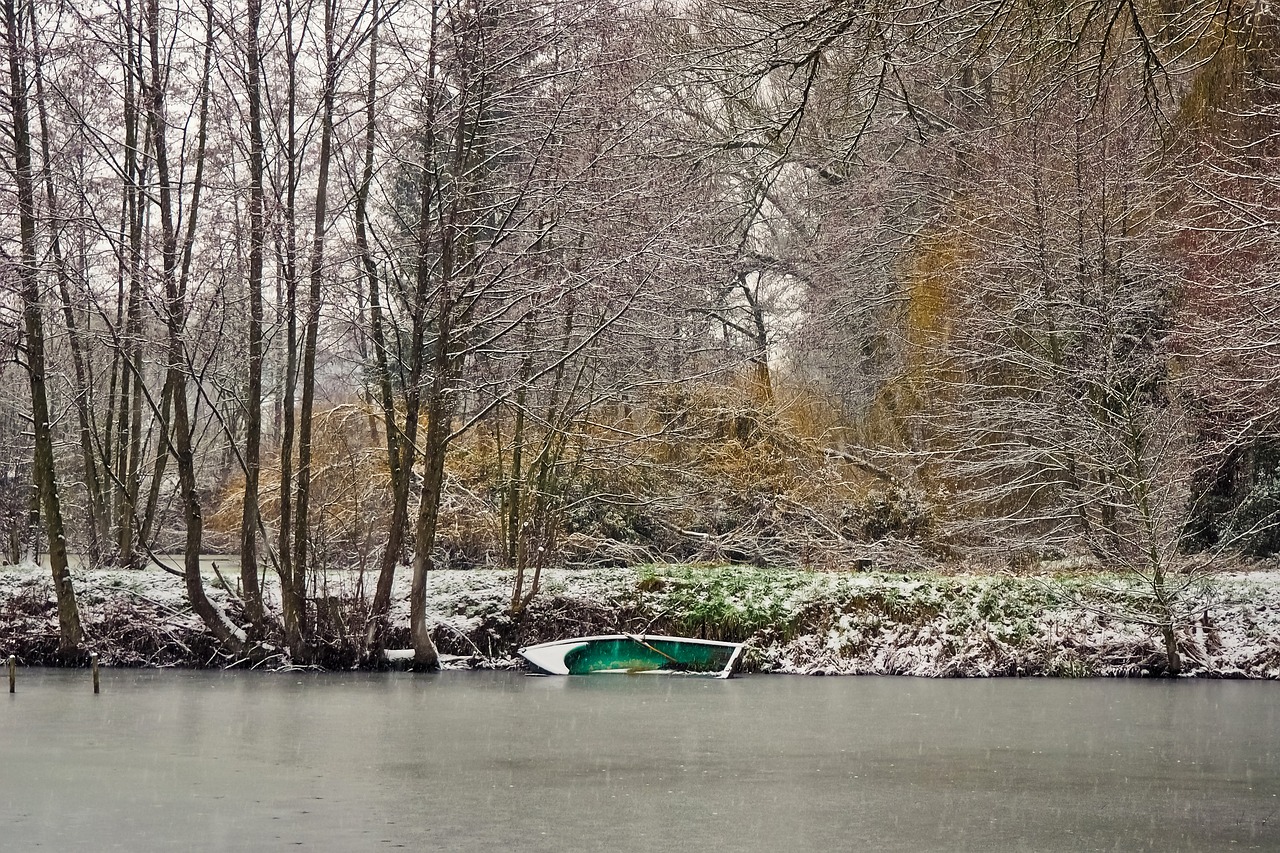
[[93, 662], [13, 674]]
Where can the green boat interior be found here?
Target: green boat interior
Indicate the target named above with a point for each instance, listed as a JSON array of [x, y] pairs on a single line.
[[646, 655]]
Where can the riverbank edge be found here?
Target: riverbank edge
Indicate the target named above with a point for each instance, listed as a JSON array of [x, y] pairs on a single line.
[[793, 621]]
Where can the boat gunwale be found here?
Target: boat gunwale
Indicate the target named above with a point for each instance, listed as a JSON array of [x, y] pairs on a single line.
[[643, 639]]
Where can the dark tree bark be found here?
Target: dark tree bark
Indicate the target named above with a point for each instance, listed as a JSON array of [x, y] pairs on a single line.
[[82, 388], [405, 448], [175, 287], [70, 634], [122, 454], [291, 603], [249, 581], [377, 333], [315, 271]]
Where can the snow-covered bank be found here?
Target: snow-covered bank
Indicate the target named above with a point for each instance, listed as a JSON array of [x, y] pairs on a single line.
[[797, 622]]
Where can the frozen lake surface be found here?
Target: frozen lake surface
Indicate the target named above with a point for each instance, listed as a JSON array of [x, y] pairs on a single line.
[[236, 761]]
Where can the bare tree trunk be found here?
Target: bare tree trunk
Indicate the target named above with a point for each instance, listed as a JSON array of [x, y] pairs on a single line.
[[293, 607], [516, 475], [81, 389], [124, 462], [302, 500], [440, 396], [159, 464], [1171, 649], [405, 449], [70, 634], [761, 375], [382, 371], [399, 443], [425, 655], [252, 589], [175, 285], [28, 547]]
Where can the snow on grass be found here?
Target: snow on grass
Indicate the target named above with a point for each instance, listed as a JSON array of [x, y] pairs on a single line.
[[952, 625], [793, 621]]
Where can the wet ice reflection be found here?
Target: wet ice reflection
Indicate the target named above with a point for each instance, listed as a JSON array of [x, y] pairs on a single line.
[[477, 762]]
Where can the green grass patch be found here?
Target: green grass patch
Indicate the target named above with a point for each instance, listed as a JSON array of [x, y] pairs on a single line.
[[721, 602]]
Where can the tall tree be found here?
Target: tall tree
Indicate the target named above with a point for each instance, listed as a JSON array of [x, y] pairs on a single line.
[[257, 249], [70, 634], [176, 252], [81, 390]]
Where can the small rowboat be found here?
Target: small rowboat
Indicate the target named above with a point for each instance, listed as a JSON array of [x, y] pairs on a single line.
[[634, 653]]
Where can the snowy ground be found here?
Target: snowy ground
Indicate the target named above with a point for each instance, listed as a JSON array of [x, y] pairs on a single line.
[[797, 622]]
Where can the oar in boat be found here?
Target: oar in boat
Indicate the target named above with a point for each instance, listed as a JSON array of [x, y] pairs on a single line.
[[677, 664]]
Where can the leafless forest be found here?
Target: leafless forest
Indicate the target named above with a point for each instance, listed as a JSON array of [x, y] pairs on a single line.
[[396, 285]]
